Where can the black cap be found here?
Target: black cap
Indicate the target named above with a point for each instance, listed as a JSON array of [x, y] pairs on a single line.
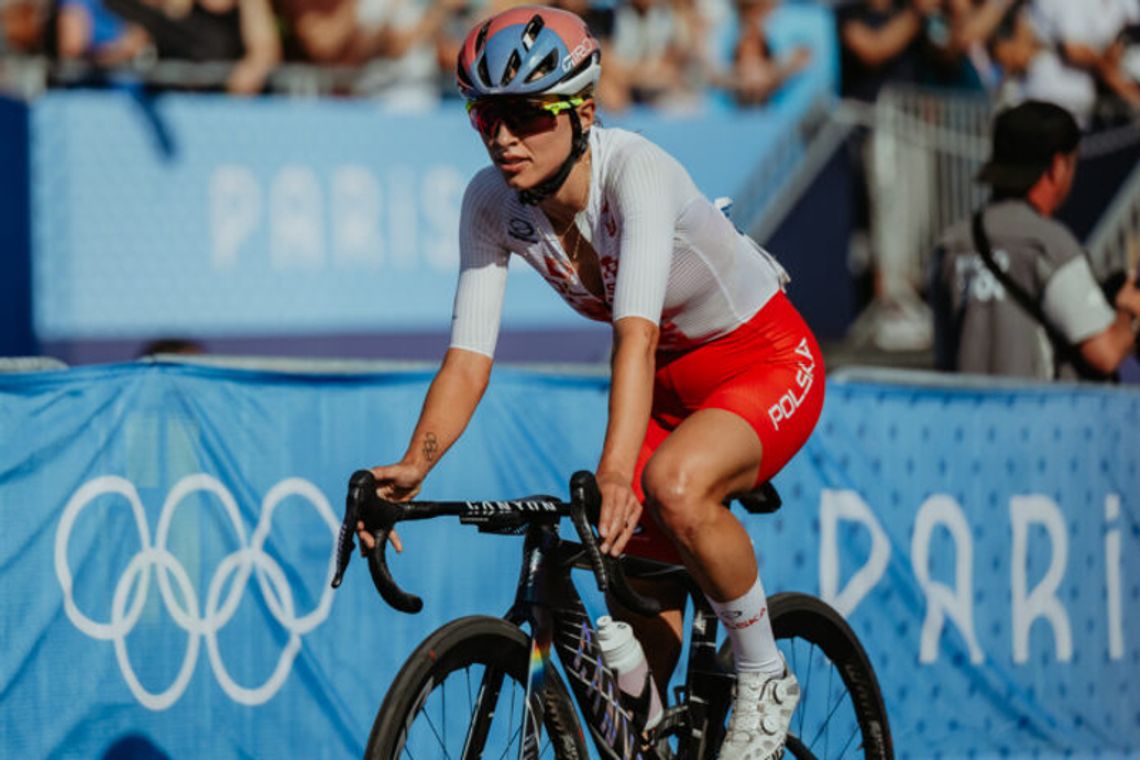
[[1026, 137]]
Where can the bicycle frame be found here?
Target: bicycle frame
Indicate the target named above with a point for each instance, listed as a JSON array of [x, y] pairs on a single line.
[[547, 600]]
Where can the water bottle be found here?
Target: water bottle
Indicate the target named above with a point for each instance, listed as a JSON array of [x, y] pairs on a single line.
[[622, 653]]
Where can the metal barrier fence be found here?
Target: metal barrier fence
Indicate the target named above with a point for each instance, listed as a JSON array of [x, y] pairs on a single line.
[[919, 159], [766, 199], [1115, 241], [922, 158], [924, 149]]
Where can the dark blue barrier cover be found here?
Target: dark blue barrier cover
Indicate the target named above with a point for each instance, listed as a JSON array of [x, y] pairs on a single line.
[[167, 538], [16, 336]]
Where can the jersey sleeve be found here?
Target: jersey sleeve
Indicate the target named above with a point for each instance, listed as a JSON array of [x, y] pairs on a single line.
[[1070, 296], [646, 190], [478, 307], [1074, 302]]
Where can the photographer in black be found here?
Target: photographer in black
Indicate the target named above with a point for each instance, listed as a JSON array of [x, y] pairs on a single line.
[[1013, 291]]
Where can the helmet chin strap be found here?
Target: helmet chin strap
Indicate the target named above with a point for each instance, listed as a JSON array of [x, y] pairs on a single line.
[[550, 185]]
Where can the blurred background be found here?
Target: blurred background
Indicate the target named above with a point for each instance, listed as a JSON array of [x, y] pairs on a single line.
[[283, 177]]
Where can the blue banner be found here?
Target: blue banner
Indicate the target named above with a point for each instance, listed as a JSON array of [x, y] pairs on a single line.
[[168, 534], [206, 216]]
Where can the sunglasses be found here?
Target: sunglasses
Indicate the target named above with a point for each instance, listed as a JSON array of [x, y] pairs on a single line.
[[523, 117]]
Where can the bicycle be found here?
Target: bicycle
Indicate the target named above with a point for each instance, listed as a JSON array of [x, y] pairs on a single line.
[[473, 659]]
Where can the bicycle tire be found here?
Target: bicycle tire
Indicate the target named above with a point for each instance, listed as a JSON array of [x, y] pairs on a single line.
[[801, 617], [485, 644]]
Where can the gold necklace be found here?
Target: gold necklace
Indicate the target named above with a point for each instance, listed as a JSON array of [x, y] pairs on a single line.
[[573, 223], [577, 237]]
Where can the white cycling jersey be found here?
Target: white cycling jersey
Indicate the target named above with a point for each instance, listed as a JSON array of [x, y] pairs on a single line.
[[665, 252]]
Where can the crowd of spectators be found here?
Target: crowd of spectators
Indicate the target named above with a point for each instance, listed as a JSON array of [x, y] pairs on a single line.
[[1083, 55], [659, 52]]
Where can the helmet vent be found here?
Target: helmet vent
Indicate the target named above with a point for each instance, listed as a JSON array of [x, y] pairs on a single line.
[[548, 65], [484, 73], [530, 34], [512, 69], [481, 39]]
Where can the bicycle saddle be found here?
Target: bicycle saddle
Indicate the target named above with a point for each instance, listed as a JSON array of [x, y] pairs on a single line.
[[762, 500]]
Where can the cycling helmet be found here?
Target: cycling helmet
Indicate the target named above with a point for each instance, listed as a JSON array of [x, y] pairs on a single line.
[[529, 50]]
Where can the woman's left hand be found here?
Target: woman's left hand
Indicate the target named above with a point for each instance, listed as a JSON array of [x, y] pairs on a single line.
[[620, 512]]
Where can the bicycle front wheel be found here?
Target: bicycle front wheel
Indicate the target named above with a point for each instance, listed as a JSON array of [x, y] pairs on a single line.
[[841, 713], [461, 695]]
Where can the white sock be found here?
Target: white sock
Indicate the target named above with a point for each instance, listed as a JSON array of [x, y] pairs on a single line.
[[747, 623]]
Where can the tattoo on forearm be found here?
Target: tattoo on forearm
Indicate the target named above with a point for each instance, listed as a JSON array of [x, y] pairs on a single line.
[[431, 447]]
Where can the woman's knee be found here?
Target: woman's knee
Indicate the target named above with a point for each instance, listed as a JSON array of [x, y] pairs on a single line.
[[679, 499]]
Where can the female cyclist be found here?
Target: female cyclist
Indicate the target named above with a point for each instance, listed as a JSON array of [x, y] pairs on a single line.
[[716, 380]]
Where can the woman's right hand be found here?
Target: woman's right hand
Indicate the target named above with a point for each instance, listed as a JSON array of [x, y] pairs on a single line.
[[394, 482], [398, 482], [1128, 297]]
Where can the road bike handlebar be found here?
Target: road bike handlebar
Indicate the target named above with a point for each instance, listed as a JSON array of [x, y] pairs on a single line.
[[379, 516]]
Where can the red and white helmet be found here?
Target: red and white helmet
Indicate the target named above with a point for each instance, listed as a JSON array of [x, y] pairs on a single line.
[[530, 50]]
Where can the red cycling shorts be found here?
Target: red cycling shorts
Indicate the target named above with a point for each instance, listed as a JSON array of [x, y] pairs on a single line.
[[769, 371]]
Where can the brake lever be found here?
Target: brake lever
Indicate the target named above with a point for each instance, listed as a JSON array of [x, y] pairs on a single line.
[[346, 538], [379, 517], [585, 502], [585, 509]]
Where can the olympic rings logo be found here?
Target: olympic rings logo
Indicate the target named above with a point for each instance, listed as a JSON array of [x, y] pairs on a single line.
[[199, 624]]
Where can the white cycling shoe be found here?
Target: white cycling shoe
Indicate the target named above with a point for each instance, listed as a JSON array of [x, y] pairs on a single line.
[[761, 713]]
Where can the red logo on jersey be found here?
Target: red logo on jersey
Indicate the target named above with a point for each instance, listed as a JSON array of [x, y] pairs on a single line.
[[557, 268], [608, 266], [608, 220]]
